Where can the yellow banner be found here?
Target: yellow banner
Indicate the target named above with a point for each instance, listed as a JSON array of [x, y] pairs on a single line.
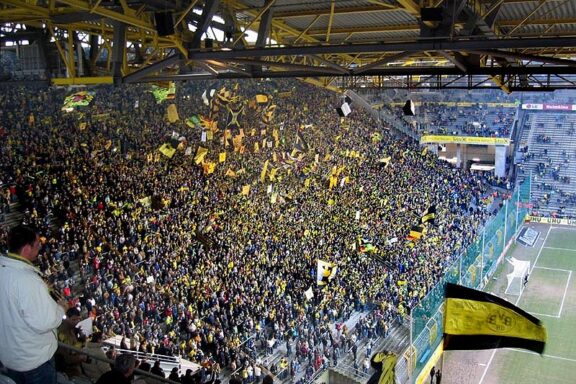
[[427, 139], [167, 150], [172, 113], [264, 170], [551, 220], [466, 104], [471, 317], [200, 155]]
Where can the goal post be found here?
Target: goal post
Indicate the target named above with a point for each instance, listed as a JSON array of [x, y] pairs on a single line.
[[516, 278]]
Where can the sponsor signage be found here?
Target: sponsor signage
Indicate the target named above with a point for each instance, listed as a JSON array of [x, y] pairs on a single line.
[[428, 139], [551, 220], [549, 107], [533, 106]]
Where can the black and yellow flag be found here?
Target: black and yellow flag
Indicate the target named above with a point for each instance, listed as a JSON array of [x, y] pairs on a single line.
[[477, 320], [429, 215], [415, 232], [385, 365]]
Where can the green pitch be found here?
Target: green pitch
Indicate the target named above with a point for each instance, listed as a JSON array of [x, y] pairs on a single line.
[[550, 295]]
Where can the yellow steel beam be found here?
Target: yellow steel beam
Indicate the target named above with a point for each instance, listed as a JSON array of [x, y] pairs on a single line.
[[540, 4], [382, 4], [71, 63], [379, 28], [305, 31], [186, 11], [411, 7], [337, 11], [83, 80], [492, 8], [258, 16], [330, 21], [126, 19], [28, 7], [498, 81], [59, 47], [516, 23]]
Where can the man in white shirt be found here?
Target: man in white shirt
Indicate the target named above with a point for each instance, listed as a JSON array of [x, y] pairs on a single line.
[[29, 316]]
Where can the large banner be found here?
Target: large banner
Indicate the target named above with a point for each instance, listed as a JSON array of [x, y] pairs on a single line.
[[428, 139], [549, 107], [551, 220], [467, 104]]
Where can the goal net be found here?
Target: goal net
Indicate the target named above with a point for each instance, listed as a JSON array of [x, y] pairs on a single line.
[[517, 276]]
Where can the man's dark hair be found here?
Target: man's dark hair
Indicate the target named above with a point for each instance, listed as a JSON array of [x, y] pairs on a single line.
[[268, 380], [72, 312], [96, 337], [20, 236]]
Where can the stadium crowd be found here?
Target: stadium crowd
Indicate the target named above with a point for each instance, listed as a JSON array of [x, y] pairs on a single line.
[[181, 258]]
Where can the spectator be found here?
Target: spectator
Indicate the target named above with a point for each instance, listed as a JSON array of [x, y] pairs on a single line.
[[94, 368], [122, 372], [28, 315], [69, 361], [157, 369]]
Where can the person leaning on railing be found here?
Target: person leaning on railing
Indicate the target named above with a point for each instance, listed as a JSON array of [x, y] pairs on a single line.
[[29, 316]]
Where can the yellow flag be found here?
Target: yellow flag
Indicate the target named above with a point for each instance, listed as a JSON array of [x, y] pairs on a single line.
[[275, 157], [82, 126], [200, 155], [471, 314], [307, 183], [256, 147], [222, 157], [172, 113], [263, 173], [245, 190], [230, 173], [209, 167], [272, 174], [167, 150], [333, 181], [274, 197], [237, 142], [209, 135]]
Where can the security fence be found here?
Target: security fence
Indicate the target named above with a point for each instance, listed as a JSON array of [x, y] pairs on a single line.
[[472, 269]]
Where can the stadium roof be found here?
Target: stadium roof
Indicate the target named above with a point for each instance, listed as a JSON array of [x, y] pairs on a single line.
[[515, 44]]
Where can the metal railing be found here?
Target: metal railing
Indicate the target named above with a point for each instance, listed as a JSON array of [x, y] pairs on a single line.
[[99, 358]]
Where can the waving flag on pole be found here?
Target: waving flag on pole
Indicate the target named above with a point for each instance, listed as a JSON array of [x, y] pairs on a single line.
[[477, 320]]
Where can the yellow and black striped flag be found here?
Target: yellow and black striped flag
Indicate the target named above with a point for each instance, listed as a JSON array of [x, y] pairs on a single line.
[[477, 320], [429, 215], [415, 233]]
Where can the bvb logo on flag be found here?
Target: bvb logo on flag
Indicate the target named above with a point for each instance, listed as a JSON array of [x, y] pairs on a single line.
[[499, 321]]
